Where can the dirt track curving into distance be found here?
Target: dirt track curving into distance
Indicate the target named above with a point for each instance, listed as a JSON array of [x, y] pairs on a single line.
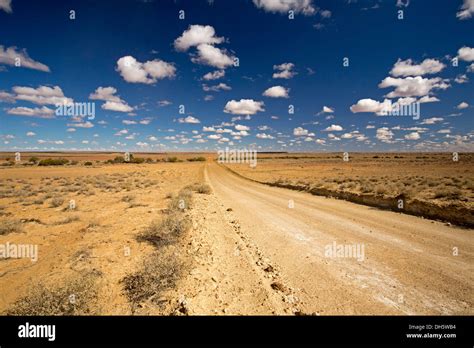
[[408, 264]]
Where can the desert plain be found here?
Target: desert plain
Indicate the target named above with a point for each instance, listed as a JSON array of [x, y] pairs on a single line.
[[180, 234]]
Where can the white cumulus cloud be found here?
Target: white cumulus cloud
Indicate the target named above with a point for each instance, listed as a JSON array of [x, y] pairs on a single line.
[[412, 136], [463, 105], [384, 134], [333, 128], [305, 7], [466, 53], [276, 92], [112, 101], [196, 35], [407, 68], [213, 56], [327, 110], [432, 120], [220, 87], [6, 5], [189, 119], [43, 112], [244, 107], [9, 56], [214, 75], [370, 105], [149, 72], [284, 71], [241, 127], [299, 131], [264, 136], [467, 10], [204, 39], [412, 86], [43, 95]]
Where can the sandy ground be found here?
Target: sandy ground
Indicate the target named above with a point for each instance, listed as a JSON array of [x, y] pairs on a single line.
[[430, 178], [230, 275], [103, 239], [248, 251]]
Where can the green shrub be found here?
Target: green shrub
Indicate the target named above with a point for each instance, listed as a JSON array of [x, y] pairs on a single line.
[[53, 162], [136, 160], [197, 159], [119, 159]]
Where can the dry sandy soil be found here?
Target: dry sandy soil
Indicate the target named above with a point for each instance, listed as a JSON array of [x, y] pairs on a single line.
[[242, 248], [113, 204]]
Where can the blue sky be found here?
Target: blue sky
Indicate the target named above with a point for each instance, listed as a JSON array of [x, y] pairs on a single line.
[[228, 73]]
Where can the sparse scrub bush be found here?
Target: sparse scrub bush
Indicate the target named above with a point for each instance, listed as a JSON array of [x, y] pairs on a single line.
[[203, 188], [10, 226], [200, 188], [197, 159], [166, 231], [38, 201], [351, 185], [380, 189], [137, 160], [53, 162], [43, 300], [119, 159], [182, 201], [448, 193], [365, 188], [57, 202], [67, 220], [47, 196], [159, 272], [135, 205]]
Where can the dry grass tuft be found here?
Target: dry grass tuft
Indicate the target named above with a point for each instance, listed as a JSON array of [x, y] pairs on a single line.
[[67, 220], [159, 273], [57, 202], [166, 231], [10, 226], [75, 297], [200, 188], [182, 201]]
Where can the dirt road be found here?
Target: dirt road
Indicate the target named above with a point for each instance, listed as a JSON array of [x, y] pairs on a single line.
[[404, 264]]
